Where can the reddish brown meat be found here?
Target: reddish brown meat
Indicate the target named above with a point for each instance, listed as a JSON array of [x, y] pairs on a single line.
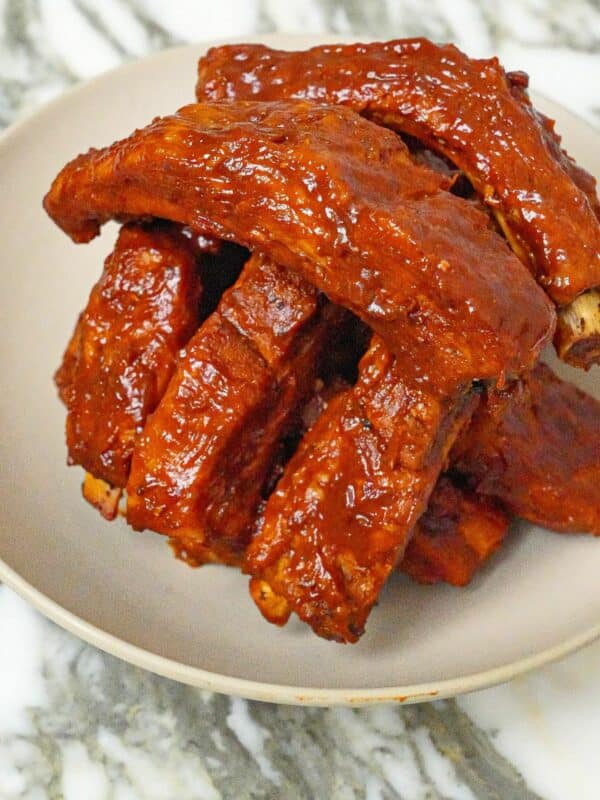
[[519, 82], [455, 536], [338, 199], [339, 518], [341, 514], [104, 497], [330, 194], [467, 109], [460, 529], [122, 354], [535, 447], [200, 467]]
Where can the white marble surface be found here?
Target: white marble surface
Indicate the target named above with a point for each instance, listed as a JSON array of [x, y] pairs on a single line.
[[78, 724]]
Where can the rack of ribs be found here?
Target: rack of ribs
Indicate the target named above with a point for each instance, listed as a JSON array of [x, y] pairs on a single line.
[[354, 216], [356, 219], [460, 529], [481, 119], [201, 464]]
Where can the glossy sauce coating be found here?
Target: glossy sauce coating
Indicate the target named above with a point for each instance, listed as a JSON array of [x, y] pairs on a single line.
[[470, 110], [456, 535], [122, 354], [458, 532], [335, 204], [337, 198], [340, 517], [199, 469], [535, 447], [519, 83]]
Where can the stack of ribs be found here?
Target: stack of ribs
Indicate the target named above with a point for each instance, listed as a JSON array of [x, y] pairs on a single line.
[[313, 352]]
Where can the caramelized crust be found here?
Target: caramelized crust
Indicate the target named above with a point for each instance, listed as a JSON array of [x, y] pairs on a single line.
[[122, 354], [455, 536], [535, 447], [519, 82], [468, 109], [337, 198], [335, 204], [204, 457], [102, 496], [339, 518], [546, 459]]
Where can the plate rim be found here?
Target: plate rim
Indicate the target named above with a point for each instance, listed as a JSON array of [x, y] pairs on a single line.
[[282, 693], [214, 681]]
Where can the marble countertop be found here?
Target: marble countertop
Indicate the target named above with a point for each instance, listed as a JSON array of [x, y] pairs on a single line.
[[78, 724]]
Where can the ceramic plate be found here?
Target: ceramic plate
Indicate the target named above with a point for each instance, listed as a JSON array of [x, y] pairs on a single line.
[[123, 591]]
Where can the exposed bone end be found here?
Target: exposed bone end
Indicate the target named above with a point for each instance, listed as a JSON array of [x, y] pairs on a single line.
[[272, 606], [577, 338], [102, 496]]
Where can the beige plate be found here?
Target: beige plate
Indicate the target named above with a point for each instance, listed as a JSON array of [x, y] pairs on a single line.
[[123, 591]]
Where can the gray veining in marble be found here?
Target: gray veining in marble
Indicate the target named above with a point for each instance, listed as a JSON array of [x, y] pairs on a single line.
[[141, 730], [34, 66]]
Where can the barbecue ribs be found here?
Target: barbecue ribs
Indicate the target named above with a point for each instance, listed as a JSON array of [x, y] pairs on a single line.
[[202, 462], [456, 535], [480, 118], [122, 354], [336, 200]]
